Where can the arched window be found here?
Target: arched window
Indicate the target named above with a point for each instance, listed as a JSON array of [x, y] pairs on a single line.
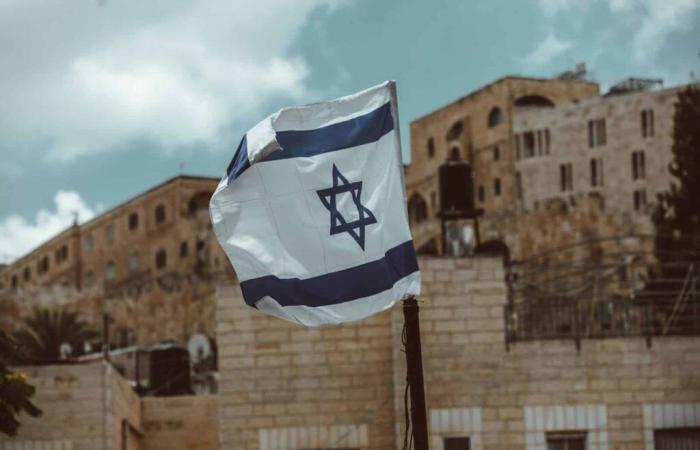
[[533, 101], [454, 154], [455, 131], [417, 208], [431, 147], [495, 116], [160, 213]]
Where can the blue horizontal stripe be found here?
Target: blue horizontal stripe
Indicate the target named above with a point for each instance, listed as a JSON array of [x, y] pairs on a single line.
[[336, 287], [350, 133]]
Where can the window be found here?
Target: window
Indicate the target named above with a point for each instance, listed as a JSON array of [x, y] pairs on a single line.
[[14, 282], [109, 232], [88, 242], [133, 221], [417, 209], [539, 139], [456, 443], [638, 165], [519, 185], [496, 153], [160, 213], [495, 116], [528, 144], [574, 440], [61, 254], [596, 172], [566, 178], [640, 200], [110, 271], [547, 141], [647, 122], [184, 249], [596, 133], [27, 274], [481, 194], [431, 147], [133, 262], [454, 154], [677, 438], [517, 146], [161, 259], [43, 265], [497, 187]]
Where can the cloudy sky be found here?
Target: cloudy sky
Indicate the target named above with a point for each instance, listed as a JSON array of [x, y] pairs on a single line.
[[102, 99]]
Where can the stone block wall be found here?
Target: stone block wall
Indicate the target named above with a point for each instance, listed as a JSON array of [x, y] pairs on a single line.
[[283, 386], [180, 423]]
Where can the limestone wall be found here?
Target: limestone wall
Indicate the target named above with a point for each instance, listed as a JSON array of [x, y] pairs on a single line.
[[180, 423]]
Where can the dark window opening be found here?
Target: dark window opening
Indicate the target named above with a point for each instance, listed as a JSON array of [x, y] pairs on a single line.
[[184, 249], [533, 101], [566, 182], [497, 187], [481, 194], [431, 148], [677, 438], [200, 245], [456, 443], [574, 440], [199, 202], [133, 221], [547, 141], [517, 146], [417, 209], [496, 153], [597, 135], [27, 274], [43, 265], [454, 154], [518, 185], [161, 259], [61, 254], [640, 200], [495, 117], [454, 132], [529, 144], [160, 213]]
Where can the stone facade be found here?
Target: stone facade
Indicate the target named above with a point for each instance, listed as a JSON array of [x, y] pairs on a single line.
[[479, 128], [149, 263], [90, 407], [540, 157], [286, 387]]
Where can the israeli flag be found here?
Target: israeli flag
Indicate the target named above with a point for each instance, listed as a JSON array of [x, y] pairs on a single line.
[[312, 211]]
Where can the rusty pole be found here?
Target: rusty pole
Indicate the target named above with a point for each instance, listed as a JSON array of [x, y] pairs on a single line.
[[414, 374]]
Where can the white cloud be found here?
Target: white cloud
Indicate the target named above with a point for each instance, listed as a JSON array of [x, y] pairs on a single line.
[[659, 20], [18, 236], [643, 25], [548, 49], [81, 78]]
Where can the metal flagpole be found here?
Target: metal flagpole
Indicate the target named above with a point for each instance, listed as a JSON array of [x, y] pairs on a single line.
[[414, 374]]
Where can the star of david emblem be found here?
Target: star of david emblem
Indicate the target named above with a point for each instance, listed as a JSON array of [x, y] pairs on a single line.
[[355, 228]]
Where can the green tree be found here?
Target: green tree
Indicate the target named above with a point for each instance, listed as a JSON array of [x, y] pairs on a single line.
[[45, 331], [15, 392], [677, 213]]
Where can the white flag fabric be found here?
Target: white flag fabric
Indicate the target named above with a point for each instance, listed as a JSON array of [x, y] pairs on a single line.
[[312, 211]]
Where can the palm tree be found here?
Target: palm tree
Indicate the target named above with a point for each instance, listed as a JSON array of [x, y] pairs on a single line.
[[45, 331], [14, 389]]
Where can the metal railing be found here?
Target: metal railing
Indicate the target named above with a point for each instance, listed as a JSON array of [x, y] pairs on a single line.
[[618, 290]]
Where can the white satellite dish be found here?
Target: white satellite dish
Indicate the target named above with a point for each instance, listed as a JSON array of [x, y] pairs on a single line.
[[65, 350], [199, 348]]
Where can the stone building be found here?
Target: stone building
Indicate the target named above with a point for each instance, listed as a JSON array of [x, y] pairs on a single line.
[[489, 383], [149, 263], [543, 153]]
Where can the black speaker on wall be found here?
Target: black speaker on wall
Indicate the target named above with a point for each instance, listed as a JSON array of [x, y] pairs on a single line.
[[456, 189]]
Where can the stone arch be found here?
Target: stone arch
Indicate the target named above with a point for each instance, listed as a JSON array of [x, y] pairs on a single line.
[[533, 101], [417, 208], [495, 117]]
